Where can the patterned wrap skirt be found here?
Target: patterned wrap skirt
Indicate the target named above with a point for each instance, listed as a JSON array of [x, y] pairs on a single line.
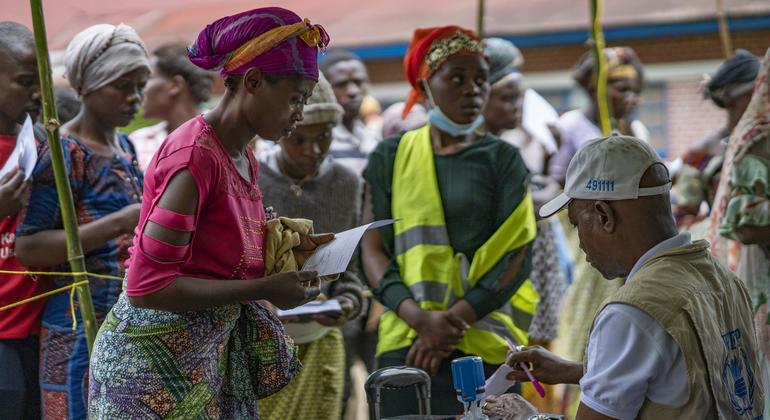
[[211, 363]]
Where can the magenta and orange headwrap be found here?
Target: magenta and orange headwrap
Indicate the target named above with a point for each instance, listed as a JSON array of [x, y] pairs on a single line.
[[429, 49], [272, 39]]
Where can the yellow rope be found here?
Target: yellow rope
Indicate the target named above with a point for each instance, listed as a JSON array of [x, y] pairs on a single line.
[[72, 305], [63, 273], [71, 287], [42, 295]]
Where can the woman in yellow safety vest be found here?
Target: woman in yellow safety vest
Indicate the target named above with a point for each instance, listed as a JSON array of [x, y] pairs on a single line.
[[453, 271]]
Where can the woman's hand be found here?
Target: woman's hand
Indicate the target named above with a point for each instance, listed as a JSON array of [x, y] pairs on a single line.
[[347, 309], [308, 245], [128, 217], [12, 188], [426, 358], [289, 290], [753, 235], [440, 329], [438, 333]]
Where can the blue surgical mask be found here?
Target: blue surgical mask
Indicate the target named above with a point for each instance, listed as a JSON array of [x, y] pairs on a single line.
[[438, 119]]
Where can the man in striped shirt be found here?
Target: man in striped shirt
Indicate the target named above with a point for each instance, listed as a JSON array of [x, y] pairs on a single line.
[[352, 140]]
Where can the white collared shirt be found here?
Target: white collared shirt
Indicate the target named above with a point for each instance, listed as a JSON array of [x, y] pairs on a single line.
[[631, 358], [147, 141]]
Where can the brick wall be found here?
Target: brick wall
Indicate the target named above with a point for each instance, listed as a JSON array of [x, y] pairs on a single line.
[[689, 116], [654, 50]]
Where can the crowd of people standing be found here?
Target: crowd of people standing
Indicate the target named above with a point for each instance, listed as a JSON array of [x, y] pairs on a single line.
[[209, 214]]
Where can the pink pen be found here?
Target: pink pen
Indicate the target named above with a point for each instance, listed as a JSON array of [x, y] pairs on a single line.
[[535, 383]]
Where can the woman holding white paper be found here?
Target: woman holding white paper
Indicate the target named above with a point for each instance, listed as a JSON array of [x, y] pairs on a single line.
[[188, 337]]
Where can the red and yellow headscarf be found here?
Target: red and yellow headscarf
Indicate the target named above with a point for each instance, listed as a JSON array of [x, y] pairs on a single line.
[[432, 47]]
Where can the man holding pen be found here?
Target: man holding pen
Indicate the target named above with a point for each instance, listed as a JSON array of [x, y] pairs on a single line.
[[677, 340]]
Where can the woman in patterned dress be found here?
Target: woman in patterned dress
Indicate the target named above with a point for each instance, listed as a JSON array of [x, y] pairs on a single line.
[[188, 338], [107, 65]]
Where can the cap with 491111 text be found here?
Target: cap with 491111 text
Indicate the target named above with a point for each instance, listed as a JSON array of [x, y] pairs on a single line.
[[608, 169]]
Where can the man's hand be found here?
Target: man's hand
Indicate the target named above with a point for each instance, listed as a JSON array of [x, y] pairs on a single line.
[[545, 366], [12, 192]]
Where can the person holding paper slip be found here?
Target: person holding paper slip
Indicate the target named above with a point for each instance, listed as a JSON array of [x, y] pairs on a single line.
[[677, 340], [189, 337], [19, 326], [19, 97], [300, 179], [107, 66], [454, 271]]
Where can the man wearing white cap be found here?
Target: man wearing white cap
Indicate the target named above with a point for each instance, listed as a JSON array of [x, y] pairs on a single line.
[[677, 340]]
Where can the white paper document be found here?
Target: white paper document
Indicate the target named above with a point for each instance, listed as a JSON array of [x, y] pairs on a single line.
[[24, 154], [536, 115], [498, 383], [312, 308], [333, 257]]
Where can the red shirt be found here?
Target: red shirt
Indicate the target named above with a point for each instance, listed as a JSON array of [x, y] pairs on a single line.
[[228, 240], [24, 320]]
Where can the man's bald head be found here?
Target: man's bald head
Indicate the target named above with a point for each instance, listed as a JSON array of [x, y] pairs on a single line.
[[19, 81], [15, 38]]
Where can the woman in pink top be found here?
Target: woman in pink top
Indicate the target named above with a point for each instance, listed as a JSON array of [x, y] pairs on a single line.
[[187, 336]]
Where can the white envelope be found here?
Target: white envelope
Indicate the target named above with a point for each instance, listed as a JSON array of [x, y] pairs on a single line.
[[24, 154], [498, 383], [333, 257]]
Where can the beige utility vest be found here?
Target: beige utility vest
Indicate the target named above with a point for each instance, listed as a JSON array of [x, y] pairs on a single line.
[[707, 310]]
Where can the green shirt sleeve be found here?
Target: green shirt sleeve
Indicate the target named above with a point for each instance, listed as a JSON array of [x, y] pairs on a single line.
[[488, 295], [379, 176]]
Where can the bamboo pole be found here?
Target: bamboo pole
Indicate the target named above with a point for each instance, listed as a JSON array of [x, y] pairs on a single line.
[[724, 30], [69, 219], [601, 68], [480, 19]]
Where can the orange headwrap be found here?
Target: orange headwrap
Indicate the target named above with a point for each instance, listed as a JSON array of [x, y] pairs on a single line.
[[429, 49]]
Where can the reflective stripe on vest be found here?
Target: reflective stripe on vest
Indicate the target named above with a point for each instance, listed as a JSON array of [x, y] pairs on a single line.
[[429, 267]]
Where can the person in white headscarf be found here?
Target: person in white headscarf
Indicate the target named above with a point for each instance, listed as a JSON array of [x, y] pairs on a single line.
[[99, 55], [107, 66]]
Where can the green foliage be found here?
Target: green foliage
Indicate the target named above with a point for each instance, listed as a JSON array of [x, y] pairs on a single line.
[[138, 122]]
